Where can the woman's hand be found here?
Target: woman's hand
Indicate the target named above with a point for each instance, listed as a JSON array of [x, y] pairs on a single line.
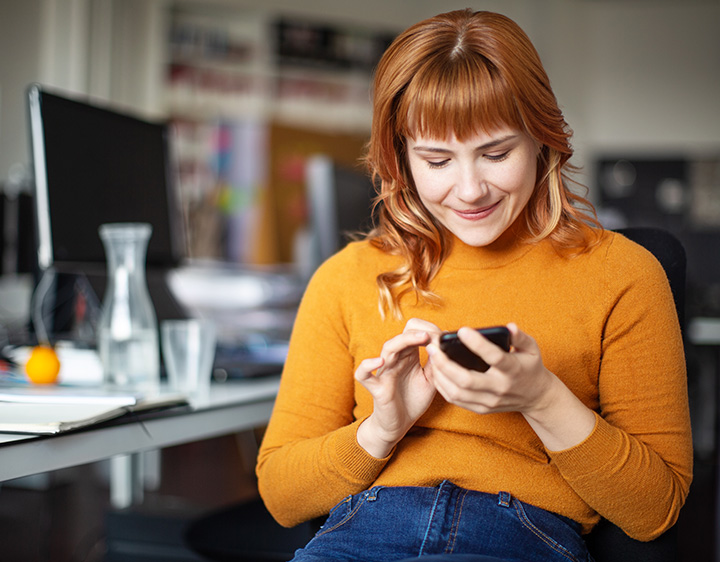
[[517, 381], [401, 389]]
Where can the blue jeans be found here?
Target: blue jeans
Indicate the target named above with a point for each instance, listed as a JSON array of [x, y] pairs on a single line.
[[446, 523]]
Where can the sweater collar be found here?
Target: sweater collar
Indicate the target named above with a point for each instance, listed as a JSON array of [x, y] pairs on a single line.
[[509, 247]]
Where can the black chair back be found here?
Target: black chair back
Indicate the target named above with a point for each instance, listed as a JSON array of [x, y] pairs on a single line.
[[607, 542]]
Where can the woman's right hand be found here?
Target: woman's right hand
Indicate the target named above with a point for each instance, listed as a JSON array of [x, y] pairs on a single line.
[[401, 389]]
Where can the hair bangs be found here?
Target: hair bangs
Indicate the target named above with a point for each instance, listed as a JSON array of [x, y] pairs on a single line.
[[460, 97]]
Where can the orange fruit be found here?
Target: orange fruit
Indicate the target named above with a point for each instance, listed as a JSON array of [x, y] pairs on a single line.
[[43, 365]]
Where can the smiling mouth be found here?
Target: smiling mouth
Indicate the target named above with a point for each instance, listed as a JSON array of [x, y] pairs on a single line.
[[477, 214]]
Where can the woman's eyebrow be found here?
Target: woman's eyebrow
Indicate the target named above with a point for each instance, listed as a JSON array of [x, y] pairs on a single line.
[[495, 142], [431, 149], [486, 146]]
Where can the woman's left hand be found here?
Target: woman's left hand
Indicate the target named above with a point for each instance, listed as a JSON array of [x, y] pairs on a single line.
[[517, 381]]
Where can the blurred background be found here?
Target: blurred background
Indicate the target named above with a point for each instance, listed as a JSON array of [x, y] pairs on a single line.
[[254, 88], [639, 81]]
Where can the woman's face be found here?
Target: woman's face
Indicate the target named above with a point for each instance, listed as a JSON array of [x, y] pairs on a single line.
[[478, 187]]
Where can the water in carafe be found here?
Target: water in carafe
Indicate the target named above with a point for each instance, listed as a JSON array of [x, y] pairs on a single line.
[[127, 335]]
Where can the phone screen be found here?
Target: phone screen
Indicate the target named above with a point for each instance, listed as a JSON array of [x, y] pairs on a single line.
[[456, 350]]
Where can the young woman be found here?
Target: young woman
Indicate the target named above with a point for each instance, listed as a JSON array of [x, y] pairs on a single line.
[[585, 417]]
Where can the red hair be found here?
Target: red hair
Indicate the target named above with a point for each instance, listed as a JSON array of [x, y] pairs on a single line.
[[463, 72]]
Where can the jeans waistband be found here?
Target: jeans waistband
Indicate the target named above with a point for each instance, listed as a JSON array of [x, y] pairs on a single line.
[[449, 489], [391, 523]]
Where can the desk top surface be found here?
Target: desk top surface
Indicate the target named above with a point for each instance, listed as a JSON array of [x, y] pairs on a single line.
[[232, 406], [222, 395]]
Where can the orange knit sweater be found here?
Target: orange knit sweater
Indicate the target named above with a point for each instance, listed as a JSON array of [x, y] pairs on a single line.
[[606, 325]]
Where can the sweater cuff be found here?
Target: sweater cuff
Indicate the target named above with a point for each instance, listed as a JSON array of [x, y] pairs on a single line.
[[352, 460], [581, 460]]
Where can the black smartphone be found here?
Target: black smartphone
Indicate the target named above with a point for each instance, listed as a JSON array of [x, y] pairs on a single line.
[[456, 350]]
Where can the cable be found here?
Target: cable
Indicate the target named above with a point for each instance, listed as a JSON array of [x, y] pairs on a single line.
[[36, 305]]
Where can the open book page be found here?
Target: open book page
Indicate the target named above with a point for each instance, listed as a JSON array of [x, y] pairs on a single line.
[[48, 419], [67, 395], [48, 416]]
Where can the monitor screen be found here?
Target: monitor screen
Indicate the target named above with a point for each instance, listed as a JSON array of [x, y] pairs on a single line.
[[340, 199], [92, 166]]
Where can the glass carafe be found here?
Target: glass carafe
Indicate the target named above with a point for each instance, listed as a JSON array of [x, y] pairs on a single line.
[[127, 335]]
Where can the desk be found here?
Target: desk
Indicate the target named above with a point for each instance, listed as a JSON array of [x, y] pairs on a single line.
[[232, 406]]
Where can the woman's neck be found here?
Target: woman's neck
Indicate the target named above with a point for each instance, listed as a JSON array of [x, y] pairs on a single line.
[[511, 245]]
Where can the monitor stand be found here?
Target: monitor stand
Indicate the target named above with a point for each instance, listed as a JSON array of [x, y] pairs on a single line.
[[79, 295]]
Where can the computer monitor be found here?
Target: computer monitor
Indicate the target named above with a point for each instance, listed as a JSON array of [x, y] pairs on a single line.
[[340, 200], [94, 165]]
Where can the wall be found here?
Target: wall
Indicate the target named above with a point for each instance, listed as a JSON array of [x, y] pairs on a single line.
[[19, 65], [657, 73], [634, 75], [108, 49]]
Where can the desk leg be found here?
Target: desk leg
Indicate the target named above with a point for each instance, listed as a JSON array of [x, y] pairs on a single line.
[[126, 480]]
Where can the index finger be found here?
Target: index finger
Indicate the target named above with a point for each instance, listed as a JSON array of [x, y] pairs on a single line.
[[408, 339], [486, 346], [418, 324]]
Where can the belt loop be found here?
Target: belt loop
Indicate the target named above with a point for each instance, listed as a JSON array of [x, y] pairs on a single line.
[[504, 499]]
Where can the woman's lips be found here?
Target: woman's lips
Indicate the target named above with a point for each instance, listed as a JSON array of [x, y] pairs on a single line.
[[477, 214]]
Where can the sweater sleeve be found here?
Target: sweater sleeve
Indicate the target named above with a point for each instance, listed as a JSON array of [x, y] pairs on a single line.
[[310, 459], [635, 468]]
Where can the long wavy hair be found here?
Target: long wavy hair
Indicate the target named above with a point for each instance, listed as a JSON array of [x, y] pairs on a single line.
[[463, 72]]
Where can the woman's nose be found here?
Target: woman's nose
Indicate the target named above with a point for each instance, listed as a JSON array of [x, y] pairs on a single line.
[[471, 184]]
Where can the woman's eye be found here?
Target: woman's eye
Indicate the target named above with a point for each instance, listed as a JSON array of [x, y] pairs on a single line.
[[437, 163], [497, 157]]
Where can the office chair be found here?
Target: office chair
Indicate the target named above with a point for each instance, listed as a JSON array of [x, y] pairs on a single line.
[[247, 533], [607, 542]]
